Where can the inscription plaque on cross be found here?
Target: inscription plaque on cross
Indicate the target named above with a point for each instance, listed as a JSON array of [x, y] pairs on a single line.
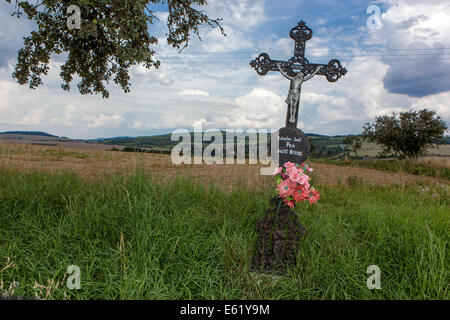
[[293, 143]]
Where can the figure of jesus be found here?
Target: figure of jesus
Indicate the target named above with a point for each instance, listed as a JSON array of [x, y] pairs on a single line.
[[293, 97]]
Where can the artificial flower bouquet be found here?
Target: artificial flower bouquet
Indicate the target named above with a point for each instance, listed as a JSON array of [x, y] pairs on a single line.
[[293, 184]]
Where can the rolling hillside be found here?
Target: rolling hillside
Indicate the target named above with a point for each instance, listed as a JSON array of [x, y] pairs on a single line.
[[322, 146]]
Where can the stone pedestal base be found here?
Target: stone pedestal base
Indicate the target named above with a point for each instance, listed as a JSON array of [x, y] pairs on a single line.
[[279, 238]]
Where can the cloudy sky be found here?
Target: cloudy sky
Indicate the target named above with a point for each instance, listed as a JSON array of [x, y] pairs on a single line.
[[398, 64]]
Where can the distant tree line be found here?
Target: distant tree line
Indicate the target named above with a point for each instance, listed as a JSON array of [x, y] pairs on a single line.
[[407, 134], [137, 149]]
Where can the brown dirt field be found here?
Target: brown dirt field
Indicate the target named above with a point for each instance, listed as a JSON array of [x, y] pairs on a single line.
[[371, 150], [54, 141], [443, 162], [92, 164]]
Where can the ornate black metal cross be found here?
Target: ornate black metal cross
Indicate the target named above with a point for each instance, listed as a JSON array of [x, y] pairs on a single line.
[[332, 71]]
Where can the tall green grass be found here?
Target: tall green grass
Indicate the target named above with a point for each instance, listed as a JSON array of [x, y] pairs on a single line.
[[136, 238]]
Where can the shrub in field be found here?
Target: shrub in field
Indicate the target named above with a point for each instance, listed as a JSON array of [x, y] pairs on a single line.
[[409, 134]]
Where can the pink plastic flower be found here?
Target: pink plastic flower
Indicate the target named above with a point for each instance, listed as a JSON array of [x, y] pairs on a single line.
[[314, 195], [304, 180], [294, 186], [289, 165], [290, 203], [295, 177], [291, 170], [286, 188], [277, 171], [300, 194]]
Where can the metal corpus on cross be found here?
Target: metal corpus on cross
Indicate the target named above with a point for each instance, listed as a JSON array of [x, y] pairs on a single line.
[[305, 70]]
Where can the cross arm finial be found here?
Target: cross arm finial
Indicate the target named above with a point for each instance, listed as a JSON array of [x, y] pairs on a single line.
[[333, 70], [300, 34], [263, 64]]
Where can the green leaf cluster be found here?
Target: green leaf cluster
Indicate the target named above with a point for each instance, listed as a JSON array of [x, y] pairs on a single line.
[[114, 36], [408, 133]]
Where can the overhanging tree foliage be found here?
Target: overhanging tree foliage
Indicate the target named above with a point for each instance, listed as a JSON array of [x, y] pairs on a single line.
[[409, 134], [114, 35]]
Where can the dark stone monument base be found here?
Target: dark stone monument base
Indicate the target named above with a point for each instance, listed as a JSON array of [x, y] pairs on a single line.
[[278, 241]]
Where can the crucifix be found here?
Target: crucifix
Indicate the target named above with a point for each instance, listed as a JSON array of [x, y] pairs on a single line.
[[305, 70], [276, 248]]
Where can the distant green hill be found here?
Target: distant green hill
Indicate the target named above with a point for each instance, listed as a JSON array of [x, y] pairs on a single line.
[[30, 133], [159, 142], [323, 146]]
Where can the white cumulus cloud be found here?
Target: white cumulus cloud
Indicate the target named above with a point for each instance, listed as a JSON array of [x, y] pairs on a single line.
[[194, 92]]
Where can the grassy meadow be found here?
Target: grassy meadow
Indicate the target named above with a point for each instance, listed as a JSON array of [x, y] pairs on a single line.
[[138, 237]]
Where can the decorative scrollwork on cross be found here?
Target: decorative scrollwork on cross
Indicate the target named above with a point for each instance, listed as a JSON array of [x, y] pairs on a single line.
[[301, 33], [297, 64], [333, 70], [263, 64]]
